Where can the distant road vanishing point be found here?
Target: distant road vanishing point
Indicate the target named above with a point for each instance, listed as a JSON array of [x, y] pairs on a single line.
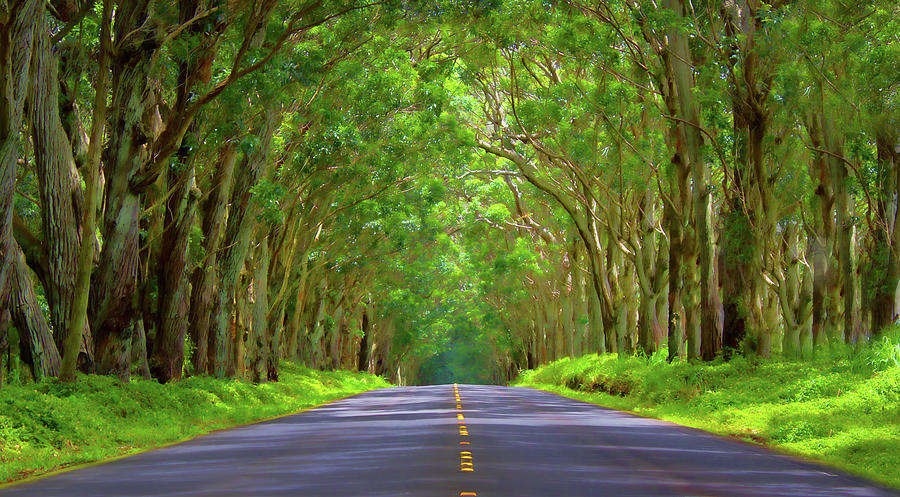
[[455, 441]]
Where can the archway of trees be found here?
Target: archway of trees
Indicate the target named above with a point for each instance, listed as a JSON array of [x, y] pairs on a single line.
[[438, 191]]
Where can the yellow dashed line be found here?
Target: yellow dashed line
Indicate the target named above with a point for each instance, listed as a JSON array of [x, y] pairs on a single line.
[[465, 456], [468, 494]]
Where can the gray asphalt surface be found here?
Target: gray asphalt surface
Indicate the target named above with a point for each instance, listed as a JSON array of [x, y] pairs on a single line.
[[407, 442]]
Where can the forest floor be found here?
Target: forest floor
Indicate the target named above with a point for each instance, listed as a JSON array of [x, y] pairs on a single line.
[[842, 410], [49, 426]]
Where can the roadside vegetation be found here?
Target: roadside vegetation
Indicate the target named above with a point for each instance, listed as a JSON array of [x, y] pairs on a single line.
[[52, 425], [448, 191], [842, 408]]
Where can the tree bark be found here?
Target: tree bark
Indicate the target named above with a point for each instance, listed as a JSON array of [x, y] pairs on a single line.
[[205, 276], [60, 193], [174, 290], [34, 333], [113, 306], [17, 32], [259, 348], [709, 302], [241, 222], [795, 296], [846, 288], [335, 334], [822, 244], [673, 222], [139, 350]]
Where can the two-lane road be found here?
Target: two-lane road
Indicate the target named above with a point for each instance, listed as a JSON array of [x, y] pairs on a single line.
[[483, 441]]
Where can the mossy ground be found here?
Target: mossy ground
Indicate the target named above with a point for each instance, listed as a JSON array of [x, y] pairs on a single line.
[[843, 409], [52, 425]]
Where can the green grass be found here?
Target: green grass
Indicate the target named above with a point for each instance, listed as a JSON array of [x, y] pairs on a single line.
[[52, 425], [843, 410]]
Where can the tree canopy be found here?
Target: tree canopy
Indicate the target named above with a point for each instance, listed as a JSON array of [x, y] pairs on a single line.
[[442, 191]]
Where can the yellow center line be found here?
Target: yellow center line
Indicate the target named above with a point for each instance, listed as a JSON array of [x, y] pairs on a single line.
[[465, 456]]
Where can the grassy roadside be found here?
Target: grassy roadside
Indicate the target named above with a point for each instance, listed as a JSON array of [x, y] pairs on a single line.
[[843, 410], [50, 425]]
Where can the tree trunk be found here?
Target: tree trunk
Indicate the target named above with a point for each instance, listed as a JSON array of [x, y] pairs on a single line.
[[317, 352], [676, 328], [139, 350], [822, 243], [275, 331], [241, 221], [335, 335], [596, 341], [259, 348], [204, 278], [676, 219], [34, 334], [16, 290], [708, 301], [691, 298], [60, 192], [649, 275], [293, 317], [300, 297], [846, 288], [174, 289], [113, 306], [362, 360]]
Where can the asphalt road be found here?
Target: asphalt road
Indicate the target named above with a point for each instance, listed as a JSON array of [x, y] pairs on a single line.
[[419, 441]]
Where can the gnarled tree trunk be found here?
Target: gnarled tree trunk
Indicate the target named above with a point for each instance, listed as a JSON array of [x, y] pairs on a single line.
[[113, 306], [17, 31], [60, 191]]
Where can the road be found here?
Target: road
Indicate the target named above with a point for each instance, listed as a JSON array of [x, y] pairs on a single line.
[[485, 441]]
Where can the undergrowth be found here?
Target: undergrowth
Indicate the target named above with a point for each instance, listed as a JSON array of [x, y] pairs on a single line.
[[52, 425], [842, 408]]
